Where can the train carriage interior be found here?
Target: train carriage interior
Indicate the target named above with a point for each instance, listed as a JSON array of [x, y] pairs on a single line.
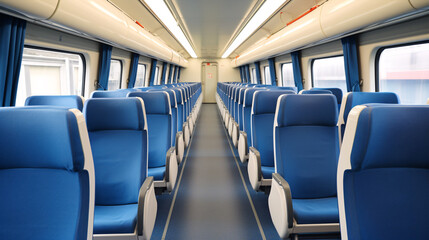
[[202, 119]]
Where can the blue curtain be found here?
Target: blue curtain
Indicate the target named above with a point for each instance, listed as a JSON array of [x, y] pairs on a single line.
[[104, 66], [152, 72], [272, 67], [178, 74], [164, 72], [241, 74], [258, 72], [351, 63], [12, 35], [170, 73], [296, 66], [247, 73], [175, 74], [133, 70]]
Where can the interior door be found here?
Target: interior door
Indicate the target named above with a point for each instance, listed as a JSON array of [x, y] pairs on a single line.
[[209, 82]]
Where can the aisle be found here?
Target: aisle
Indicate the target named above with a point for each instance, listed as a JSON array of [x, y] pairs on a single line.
[[211, 201]]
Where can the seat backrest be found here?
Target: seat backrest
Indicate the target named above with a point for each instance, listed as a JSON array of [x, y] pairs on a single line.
[[46, 174], [180, 113], [294, 89], [68, 101], [306, 144], [247, 110], [118, 134], [336, 91], [173, 107], [262, 121], [353, 99], [315, 92], [158, 115], [383, 173], [113, 94]]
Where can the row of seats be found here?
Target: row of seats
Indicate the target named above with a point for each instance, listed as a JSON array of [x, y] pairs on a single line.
[[74, 175], [295, 142]]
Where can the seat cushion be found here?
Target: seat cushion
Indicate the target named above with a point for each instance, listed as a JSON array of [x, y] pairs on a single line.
[[267, 172], [115, 219], [157, 173], [320, 210]]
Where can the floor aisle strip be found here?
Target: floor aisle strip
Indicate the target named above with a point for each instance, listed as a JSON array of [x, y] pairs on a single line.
[[244, 184], [164, 233]]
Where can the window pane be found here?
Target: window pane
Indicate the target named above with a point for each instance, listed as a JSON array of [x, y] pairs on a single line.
[[267, 76], [155, 80], [47, 72], [405, 71], [287, 75], [115, 75], [254, 80], [329, 72], [141, 73]]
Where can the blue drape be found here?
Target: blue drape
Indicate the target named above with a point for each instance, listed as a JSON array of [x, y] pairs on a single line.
[[104, 66], [351, 63], [178, 74], [170, 73], [272, 67], [152, 72], [175, 74], [258, 72], [164, 72], [241, 74], [12, 35], [133, 70], [246, 68], [296, 66]]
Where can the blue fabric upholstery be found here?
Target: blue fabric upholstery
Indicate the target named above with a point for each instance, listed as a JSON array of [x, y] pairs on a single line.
[[118, 136], [263, 110], [336, 91], [43, 187], [385, 191], [69, 101], [104, 66], [351, 63], [173, 107], [312, 91], [159, 126], [306, 151], [267, 172], [316, 211], [133, 70], [296, 65], [115, 219], [247, 110], [157, 172], [113, 94]]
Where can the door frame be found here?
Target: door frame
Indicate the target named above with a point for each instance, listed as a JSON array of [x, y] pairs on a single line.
[[203, 72]]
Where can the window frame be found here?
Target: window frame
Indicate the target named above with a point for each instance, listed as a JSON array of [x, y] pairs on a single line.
[[312, 65], [378, 55], [120, 76], [81, 55], [281, 72]]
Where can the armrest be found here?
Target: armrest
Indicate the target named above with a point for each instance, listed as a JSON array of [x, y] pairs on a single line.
[[147, 208], [254, 168], [242, 146], [171, 168], [280, 206]]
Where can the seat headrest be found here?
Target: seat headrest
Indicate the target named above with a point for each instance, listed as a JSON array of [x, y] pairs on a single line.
[[113, 94], [171, 94], [316, 92], [336, 91], [265, 101], [248, 95], [359, 98], [155, 102], [391, 136], [41, 137], [114, 114], [304, 110], [69, 101]]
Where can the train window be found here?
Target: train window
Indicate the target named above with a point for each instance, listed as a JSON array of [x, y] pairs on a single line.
[[155, 79], [254, 80], [287, 75], [405, 71], [140, 78], [329, 72], [267, 75], [50, 72], [115, 74]]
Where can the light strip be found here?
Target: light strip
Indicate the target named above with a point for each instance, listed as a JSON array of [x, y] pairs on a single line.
[[263, 13], [163, 12]]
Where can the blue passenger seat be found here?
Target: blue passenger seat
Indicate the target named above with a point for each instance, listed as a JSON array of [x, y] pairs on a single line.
[[69, 101], [118, 134], [383, 173], [337, 92], [162, 162], [113, 94], [306, 153], [46, 174], [261, 156]]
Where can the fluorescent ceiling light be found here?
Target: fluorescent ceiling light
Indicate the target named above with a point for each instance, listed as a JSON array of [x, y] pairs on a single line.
[[163, 12], [263, 13]]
